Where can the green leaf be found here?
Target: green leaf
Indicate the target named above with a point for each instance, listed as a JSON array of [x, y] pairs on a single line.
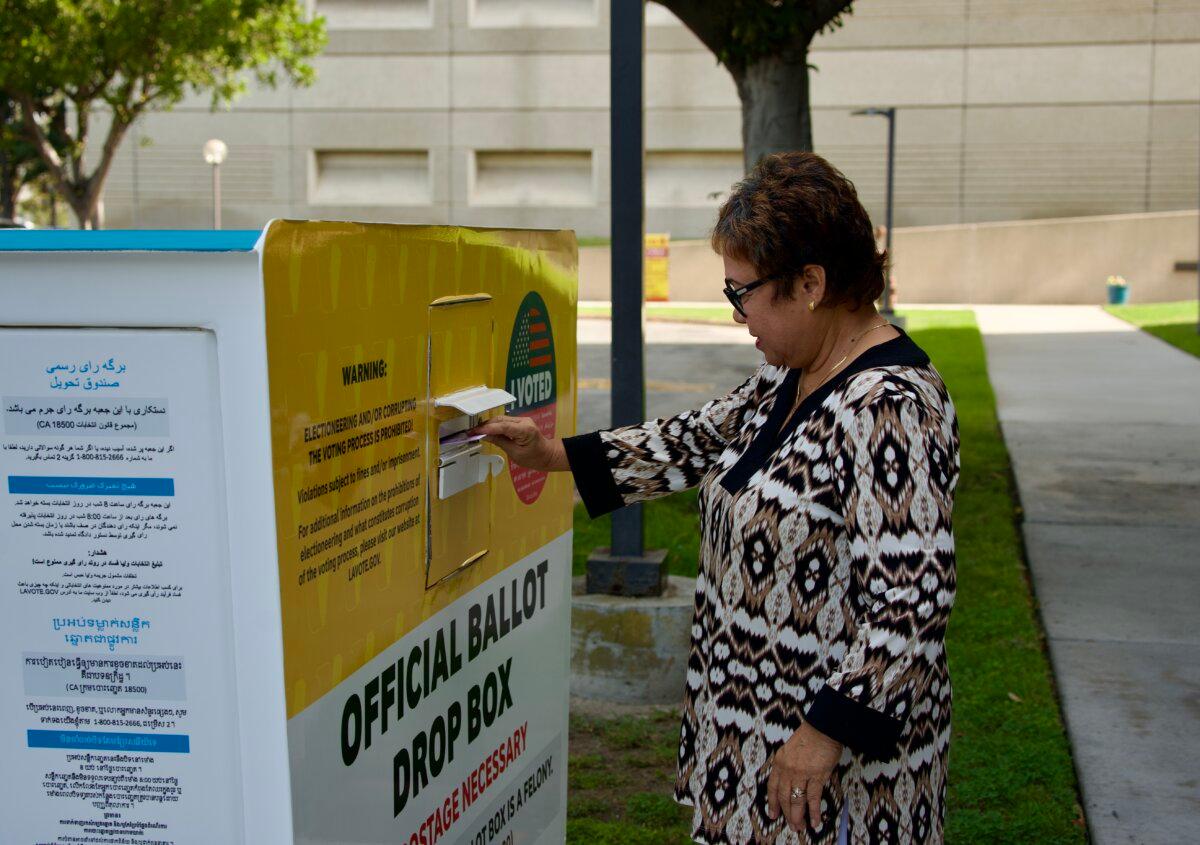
[[128, 56]]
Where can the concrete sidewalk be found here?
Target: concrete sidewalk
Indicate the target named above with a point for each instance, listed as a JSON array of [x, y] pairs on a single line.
[[1103, 425], [686, 365]]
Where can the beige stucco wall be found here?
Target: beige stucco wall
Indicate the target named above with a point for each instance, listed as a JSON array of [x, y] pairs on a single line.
[[1008, 110], [1061, 261], [1048, 261]]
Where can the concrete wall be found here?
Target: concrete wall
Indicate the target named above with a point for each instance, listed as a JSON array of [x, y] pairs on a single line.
[[1064, 261], [1048, 261], [495, 112]]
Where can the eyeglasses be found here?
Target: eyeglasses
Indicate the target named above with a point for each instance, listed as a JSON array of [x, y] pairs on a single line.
[[736, 295]]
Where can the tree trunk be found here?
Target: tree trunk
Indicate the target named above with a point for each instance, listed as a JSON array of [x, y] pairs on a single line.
[[81, 192], [775, 113], [79, 200], [85, 213], [8, 169], [8, 188]]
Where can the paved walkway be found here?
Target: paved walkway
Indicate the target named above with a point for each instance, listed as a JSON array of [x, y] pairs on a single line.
[[1103, 425], [686, 365]]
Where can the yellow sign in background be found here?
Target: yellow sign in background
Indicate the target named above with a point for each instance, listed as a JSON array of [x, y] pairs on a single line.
[[353, 434], [656, 263]]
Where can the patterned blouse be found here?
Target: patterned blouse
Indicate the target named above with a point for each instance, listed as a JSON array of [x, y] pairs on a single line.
[[826, 578]]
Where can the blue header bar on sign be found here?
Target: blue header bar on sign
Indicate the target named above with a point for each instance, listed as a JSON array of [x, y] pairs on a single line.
[[128, 240], [106, 741], [50, 485]]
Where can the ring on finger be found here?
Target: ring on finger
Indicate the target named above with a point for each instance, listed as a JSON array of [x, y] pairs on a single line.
[[797, 794]]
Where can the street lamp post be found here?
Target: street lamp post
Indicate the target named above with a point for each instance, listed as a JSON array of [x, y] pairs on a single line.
[[627, 36], [890, 113], [214, 153], [627, 567]]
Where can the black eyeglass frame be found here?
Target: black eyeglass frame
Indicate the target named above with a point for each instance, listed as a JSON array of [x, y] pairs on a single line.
[[734, 295]]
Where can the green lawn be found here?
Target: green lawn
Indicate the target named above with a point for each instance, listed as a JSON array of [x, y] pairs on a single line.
[[666, 311], [1011, 775], [1174, 322]]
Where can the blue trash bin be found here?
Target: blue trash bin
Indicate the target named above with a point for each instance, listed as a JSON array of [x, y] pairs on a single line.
[[1118, 294]]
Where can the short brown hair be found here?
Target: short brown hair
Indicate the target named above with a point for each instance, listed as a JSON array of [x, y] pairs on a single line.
[[795, 209]]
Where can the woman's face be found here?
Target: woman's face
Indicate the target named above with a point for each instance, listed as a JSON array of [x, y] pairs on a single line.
[[786, 331]]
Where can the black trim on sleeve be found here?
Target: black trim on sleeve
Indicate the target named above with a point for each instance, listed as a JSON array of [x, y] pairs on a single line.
[[854, 725], [593, 476]]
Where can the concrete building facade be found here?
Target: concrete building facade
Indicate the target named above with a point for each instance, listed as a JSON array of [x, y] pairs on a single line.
[[495, 112]]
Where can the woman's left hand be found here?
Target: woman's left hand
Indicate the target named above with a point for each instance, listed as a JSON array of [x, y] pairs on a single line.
[[804, 763]]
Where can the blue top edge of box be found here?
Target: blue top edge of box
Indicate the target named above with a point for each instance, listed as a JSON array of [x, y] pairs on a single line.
[[128, 240]]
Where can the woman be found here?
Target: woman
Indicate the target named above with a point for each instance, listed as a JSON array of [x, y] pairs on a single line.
[[817, 705]]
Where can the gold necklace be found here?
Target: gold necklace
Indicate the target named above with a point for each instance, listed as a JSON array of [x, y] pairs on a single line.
[[854, 340]]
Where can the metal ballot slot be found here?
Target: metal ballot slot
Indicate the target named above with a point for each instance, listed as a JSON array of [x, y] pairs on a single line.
[[459, 495], [461, 463]]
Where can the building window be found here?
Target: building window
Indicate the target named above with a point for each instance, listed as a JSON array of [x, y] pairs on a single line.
[[532, 177], [533, 14], [369, 177], [375, 14]]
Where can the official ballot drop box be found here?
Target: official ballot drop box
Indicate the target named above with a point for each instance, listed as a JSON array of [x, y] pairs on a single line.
[[258, 587]]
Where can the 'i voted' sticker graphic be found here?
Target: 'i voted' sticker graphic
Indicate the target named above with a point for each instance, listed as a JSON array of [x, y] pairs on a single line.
[[531, 378]]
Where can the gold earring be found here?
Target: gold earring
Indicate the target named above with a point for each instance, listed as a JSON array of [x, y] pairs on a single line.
[[812, 306]]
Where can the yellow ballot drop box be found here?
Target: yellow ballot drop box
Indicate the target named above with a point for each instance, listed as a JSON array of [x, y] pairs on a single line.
[[261, 583]]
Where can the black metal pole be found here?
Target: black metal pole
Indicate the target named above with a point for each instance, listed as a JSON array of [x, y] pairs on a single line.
[[891, 162], [627, 39]]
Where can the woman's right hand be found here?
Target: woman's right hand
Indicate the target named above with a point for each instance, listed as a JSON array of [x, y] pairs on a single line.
[[524, 444]]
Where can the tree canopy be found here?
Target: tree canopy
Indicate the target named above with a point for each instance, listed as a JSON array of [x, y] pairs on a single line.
[[123, 57]]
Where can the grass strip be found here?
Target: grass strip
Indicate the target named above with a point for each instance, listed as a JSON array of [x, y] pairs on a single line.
[[1174, 322], [1011, 774], [720, 315]]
